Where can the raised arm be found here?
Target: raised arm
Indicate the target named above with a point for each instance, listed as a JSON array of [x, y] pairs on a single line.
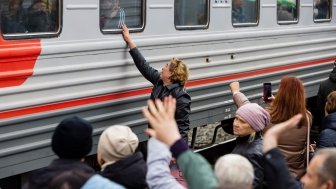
[[158, 174], [127, 38], [238, 97], [145, 69], [195, 168]]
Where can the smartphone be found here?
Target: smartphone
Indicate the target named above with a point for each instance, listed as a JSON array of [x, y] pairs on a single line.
[[267, 91]]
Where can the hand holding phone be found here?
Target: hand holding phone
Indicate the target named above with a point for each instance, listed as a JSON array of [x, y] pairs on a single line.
[[267, 91]]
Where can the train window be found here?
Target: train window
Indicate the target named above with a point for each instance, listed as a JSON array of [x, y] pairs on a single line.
[[322, 10], [114, 13], [191, 14], [29, 18], [245, 12], [287, 11]]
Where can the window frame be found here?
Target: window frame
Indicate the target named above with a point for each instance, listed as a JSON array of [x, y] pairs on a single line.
[[290, 22], [239, 25], [325, 19], [195, 27]]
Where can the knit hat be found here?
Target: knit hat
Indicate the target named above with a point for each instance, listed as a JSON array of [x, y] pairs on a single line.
[[256, 116], [115, 143], [72, 138]]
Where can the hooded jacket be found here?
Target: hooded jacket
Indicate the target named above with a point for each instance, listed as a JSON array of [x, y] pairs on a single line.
[[41, 178], [326, 87], [328, 134], [129, 172]]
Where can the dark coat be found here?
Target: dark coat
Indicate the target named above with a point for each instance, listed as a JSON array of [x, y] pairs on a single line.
[[129, 172], [41, 178], [276, 171], [253, 152], [328, 135], [326, 87], [160, 91]]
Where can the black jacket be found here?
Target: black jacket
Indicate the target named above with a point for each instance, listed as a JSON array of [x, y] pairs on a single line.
[[178, 91], [129, 172], [41, 178], [328, 135], [253, 152], [277, 172], [326, 87]]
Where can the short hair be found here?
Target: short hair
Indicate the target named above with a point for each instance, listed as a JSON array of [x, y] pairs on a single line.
[[326, 171], [330, 106], [179, 71], [234, 171]]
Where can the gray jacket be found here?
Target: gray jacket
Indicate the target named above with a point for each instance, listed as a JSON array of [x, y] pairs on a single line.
[[158, 174]]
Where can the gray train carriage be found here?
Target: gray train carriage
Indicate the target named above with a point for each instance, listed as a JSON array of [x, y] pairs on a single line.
[[67, 57]]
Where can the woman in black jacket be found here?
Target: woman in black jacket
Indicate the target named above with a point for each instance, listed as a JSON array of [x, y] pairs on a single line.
[[171, 81], [248, 124]]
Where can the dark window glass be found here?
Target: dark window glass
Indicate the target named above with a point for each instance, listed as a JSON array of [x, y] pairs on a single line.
[[322, 9], [114, 13], [287, 11], [245, 12], [191, 14], [19, 17]]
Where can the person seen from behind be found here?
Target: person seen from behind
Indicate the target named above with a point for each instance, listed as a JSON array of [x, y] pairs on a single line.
[[170, 80], [118, 159], [71, 142], [327, 137], [289, 101], [326, 87]]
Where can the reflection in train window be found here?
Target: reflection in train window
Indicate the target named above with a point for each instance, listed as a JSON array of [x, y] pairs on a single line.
[[114, 13], [245, 12], [191, 14], [322, 10], [26, 17], [287, 11]]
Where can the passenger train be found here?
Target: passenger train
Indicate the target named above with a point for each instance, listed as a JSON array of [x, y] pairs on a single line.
[[67, 57]]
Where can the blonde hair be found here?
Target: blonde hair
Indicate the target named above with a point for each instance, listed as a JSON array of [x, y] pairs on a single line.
[[179, 71], [330, 106]]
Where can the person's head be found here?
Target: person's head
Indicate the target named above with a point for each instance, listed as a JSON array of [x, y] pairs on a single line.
[[237, 3], [14, 5], [115, 143], [250, 119], [72, 138], [110, 4], [234, 171], [42, 5], [68, 180], [321, 172], [330, 106], [289, 101], [176, 71]]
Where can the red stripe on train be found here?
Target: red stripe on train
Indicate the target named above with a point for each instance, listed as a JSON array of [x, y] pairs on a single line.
[[132, 93], [17, 60]]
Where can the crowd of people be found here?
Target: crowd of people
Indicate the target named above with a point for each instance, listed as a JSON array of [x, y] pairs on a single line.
[[271, 152], [40, 16]]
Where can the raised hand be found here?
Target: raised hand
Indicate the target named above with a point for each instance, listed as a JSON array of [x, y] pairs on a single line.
[[160, 116], [272, 135], [127, 38]]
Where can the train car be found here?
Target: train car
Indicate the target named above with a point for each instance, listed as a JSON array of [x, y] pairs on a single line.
[[67, 57]]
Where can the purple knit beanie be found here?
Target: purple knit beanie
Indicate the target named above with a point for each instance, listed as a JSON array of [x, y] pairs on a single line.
[[256, 116]]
